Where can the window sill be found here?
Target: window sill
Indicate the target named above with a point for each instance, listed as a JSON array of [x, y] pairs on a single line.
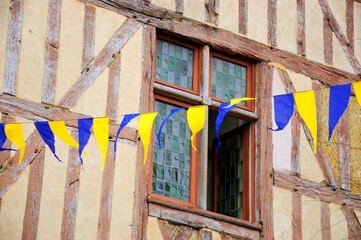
[[199, 218]]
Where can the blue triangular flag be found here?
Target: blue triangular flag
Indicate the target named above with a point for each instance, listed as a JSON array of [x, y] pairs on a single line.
[[47, 135], [84, 126], [283, 107], [223, 110]]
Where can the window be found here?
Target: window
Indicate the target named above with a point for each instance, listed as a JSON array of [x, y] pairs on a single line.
[[227, 187]]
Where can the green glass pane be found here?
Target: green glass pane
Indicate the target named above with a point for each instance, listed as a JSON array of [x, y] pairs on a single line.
[[175, 145], [168, 158], [155, 155], [160, 172], [174, 175], [178, 52], [182, 129], [167, 189], [173, 191], [177, 79], [171, 62], [219, 79], [180, 192], [169, 127], [155, 170], [164, 76], [189, 83], [238, 71], [225, 81], [181, 161], [188, 147], [159, 60], [225, 67], [175, 116], [154, 186]]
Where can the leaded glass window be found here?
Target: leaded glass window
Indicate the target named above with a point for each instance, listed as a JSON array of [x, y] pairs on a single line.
[[174, 64], [171, 164], [228, 80]]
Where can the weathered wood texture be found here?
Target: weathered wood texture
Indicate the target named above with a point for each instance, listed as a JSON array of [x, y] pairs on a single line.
[[296, 216], [224, 40], [71, 193], [113, 89], [51, 52], [5, 155], [197, 221], [179, 6], [100, 62], [165, 229], [327, 42], [32, 209], [272, 22], [350, 23], [243, 16], [88, 35], [183, 232], [353, 223], [340, 36], [301, 30], [205, 235], [344, 151], [315, 190], [140, 208], [13, 46], [211, 11], [325, 221], [264, 148]]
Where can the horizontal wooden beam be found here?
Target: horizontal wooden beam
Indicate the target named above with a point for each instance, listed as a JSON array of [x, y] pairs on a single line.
[[40, 112], [318, 191], [223, 40]]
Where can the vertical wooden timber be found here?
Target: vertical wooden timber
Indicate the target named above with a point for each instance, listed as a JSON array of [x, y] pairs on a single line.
[[353, 223], [140, 208], [32, 210], [327, 42], [350, 23], [272, 22], [13, 46], [5, 155], [204, 235], [179, 6], [344, 151], [330, 18], [296, 216], [51, 52], [165, 229], [71, 193], [108, 173], [264, 147], [301, 31], [211, 11], [88, 35], [243, 15], [325, 221]]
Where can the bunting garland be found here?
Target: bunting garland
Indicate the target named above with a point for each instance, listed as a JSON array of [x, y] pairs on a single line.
[[283, 111]]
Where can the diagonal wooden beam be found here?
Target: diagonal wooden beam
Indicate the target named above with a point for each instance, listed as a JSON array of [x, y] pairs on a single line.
[[100, 62], [211, 11], [331, 20], [88, 35], [165, 229], [353, 223]]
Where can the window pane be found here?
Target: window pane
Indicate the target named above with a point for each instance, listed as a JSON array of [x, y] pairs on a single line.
[[171, 164], [228, 80], [174, 64]]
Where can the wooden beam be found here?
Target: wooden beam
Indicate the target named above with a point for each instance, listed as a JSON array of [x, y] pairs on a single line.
[[211, 11], [100, 62], [71, 193], [5, 155], [224, 41], [325, 221], [179, 6], [165, 229], [327, 42], [296, 216], [301, 30], [113, 89], [353, 223], [318, 191], [330, 18], [350, 23], [140, 210], [88, 36], [264, 148], [344, 151], [197, 221], [204, 235], [13, 46], [32, 210], [51, 52], [243, 17], [272, 22], [183, 233]]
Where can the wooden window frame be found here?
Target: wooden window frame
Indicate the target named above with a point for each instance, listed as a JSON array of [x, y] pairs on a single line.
[[250, 76], [196, 64], [193, 187]]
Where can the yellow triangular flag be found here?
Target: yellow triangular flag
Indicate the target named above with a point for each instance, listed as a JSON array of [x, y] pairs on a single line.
[[14, 132], [145, 128], [306, 106], [357, 89], [238, 100], [101, 133], [196, 117]]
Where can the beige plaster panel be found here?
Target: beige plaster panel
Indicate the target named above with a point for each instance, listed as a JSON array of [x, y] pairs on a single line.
[[314, 31], [153, 231], [339, 228], [216, 236], [358, 215], [340, 59], [257, 28], [123, 198], [281, 139], [90, 180], [228, 15], [354, 119], [194, 9], [70, 46], [282, 213], [53, 190], [311, 218], [4, 19], [169, 4], [300, 81], [13, 208], [106, 24], [32, 53], [287, 25], [357, 29]]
